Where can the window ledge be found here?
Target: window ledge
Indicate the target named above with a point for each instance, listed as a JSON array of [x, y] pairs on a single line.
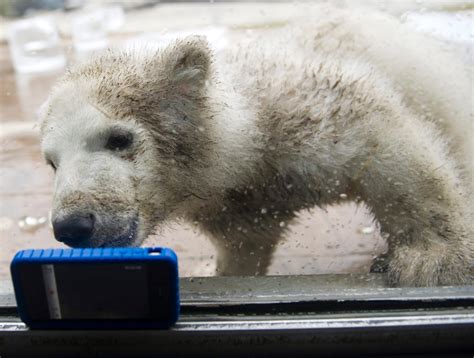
[[329, 314]]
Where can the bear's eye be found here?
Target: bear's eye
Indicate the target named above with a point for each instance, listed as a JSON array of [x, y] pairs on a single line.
[[119, 141]]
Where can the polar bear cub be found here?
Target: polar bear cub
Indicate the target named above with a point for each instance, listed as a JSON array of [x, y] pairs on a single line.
[[239, 141]]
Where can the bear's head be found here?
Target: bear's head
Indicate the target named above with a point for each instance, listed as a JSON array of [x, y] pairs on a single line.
[[127, 137]]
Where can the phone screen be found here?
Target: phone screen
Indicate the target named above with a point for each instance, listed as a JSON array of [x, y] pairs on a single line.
[[95, 291]]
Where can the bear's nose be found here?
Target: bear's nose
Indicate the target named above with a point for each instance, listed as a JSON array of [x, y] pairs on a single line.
[[74, 230]]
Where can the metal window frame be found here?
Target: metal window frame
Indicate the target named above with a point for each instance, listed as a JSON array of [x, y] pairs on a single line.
[[324, 314]]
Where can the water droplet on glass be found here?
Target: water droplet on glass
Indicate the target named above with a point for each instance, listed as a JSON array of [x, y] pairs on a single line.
[[31, 224], [367, 230], [31, 221]]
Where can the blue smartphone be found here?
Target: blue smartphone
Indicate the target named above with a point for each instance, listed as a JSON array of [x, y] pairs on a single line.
[[102, 288]]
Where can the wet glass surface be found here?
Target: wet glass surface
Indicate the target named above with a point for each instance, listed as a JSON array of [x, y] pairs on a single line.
[[335, 240], [342, 239]]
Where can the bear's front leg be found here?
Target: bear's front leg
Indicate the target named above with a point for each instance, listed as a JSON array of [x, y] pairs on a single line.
[[415, 192], [245, 238]]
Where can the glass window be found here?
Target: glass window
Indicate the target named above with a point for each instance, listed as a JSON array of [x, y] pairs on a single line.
[[322, 172]]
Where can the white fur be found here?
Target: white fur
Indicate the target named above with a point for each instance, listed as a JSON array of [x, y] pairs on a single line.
[[238, 142]]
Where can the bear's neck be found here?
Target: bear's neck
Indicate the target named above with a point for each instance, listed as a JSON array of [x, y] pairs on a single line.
[[235, 140]]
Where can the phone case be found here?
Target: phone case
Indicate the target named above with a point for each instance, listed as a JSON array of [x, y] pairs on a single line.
[[160, 275]]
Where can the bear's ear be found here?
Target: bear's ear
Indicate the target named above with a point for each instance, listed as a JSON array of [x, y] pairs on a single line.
[[187, 63]]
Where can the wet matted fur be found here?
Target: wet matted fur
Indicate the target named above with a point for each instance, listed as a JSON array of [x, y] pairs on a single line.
[[239, 141]]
